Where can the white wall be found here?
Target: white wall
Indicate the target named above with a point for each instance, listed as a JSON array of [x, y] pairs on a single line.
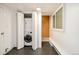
[[7, 22], [14, 36], [67, 41]]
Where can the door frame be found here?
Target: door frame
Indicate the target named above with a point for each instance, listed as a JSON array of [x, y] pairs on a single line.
[[20, 30], [36, 30]]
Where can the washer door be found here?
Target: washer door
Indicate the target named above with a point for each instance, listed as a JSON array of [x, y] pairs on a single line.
[[28, 38]]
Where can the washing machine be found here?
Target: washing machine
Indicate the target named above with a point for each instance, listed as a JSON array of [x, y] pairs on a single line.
[[28, 39]]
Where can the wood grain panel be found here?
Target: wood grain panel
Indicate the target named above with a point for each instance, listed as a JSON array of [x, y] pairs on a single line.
[[45, 26]]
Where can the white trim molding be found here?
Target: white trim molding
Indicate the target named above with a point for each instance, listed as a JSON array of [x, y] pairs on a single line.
[[58, 49]]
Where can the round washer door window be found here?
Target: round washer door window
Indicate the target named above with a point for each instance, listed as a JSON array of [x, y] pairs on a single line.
[[28, 38]]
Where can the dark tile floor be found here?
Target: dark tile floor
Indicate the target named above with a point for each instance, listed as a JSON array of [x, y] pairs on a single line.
[[45, 50]]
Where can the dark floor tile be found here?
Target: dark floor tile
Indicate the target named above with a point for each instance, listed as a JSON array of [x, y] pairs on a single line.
[[45, 50]]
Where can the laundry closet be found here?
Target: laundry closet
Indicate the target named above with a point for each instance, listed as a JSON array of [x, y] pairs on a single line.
[[24, 29], [27, 29]]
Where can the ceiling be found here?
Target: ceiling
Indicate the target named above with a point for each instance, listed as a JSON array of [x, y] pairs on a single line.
[[46, 8]]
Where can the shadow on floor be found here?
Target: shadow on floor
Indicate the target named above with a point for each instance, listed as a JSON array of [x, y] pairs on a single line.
[[45, 50]]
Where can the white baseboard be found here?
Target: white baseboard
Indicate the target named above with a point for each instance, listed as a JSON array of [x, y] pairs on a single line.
[[45, 39], [55, 48], [59, 50]]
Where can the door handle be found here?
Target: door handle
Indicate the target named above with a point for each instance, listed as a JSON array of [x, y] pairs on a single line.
[[2, 35]]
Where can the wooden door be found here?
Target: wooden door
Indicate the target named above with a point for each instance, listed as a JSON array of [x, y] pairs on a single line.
[[45, 26]]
